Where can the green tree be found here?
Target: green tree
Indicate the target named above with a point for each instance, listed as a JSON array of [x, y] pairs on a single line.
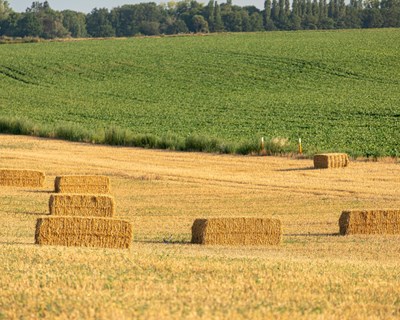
[[341, 9], [302, 8], [309, 22], [295, 7], [287, 8], [124, 20], [75, 23], [29, 25], [332, 9], [200, 24], [51, 21], [245, 18], [5, 10], [390, 13], [98, 23], [176, 27], [315, 8], [256, 22], [149, 28], [309, 8], [53, 25], [275, 11], [295, 21], [353, 15], [232, 20], [372, 18], [211, 15], [323, 9], [282, 22], [268, 24], [326, 23], [218, 24]]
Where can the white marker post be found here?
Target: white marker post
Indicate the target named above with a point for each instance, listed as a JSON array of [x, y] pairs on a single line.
[[300, 147]]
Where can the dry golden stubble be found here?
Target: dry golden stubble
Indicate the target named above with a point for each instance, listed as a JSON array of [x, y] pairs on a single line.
[[313, 274]]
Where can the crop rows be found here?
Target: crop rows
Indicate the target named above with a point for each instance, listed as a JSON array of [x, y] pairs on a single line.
[[337, 90]]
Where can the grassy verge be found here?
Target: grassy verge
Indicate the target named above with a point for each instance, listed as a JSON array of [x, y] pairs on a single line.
[[117, 136]]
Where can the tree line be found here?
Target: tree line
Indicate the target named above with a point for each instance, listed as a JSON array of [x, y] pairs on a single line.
[[190, 16]]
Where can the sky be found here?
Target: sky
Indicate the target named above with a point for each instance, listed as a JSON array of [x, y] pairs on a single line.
[[87, 5]]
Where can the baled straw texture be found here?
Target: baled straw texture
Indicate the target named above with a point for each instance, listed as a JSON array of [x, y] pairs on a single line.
[[21, 178], [82, 205], [82, 184], [370, 222], [83, 231], [237, 231], [331, 160]]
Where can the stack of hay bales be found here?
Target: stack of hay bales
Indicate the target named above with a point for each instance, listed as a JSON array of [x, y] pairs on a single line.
[[237, 231], [331, 160], [21, 178], [82, 218], [370, 222]]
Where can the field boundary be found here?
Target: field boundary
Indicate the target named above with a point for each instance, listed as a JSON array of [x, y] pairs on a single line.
[[116, 136]]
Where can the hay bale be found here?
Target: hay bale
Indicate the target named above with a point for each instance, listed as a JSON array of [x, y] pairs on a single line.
[[370, 222], [331, 160], [82, 184], [81, 205], [21, 178], [83, 231], [237, 231]]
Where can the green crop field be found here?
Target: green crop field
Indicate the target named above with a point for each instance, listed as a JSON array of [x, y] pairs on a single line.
[[337, 90]]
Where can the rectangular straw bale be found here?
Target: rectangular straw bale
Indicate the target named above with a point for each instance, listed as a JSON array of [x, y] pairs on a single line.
[[82, 205], [21, 178], [82, 184], [237, 231], [83, 231], [331, 160], [385, 221]]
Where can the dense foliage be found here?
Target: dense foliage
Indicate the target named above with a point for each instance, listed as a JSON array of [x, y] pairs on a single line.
[[191, 16], [337, 90]]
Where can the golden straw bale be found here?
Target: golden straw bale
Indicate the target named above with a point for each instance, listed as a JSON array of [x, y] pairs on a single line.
[[331, 160], [237, 231], [370, 222], [82, 205], [82, 184], [83, 231], [21, 178]]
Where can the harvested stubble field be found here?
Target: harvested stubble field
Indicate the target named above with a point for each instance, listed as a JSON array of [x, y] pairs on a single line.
[[314, 273]]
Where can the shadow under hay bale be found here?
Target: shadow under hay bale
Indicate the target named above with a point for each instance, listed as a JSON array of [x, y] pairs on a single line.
[[82, 184], [331, 160], [21, 178], [237, 231], [370, 222], [82, 205], [83, 231]]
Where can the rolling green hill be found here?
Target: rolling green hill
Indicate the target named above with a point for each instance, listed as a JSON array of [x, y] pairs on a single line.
[[337, 90]]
